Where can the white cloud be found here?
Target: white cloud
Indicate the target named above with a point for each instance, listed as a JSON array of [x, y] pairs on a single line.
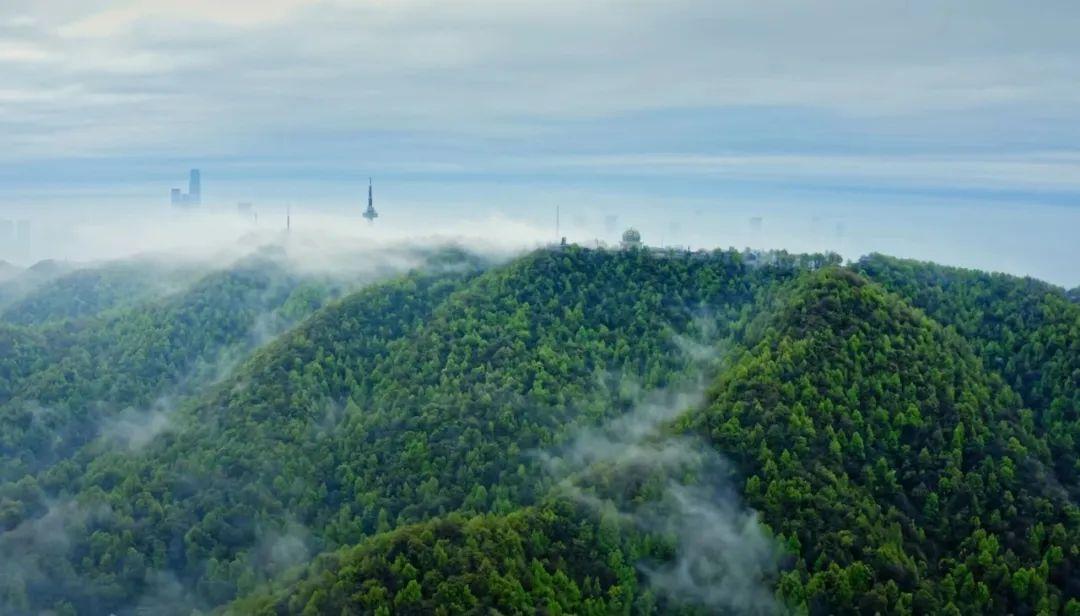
[[22, 52], [227, 71], [318, 238], [120, 19], [1053, 170], [17, 21]]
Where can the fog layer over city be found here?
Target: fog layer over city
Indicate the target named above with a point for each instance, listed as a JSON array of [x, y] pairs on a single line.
[[984, 235]]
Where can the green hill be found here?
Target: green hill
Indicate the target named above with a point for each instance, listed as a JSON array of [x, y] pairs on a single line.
[[17, 282], [919, 491], [407, 400], [77, 374], [551, 559], [404, 449], [1022, 329], [901, 474], [8, 271], [90, 291]]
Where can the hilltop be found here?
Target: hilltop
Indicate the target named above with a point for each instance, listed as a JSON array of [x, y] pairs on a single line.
[[887, 436]]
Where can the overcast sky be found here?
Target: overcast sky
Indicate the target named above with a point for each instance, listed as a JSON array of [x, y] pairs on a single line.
[[702, 103]]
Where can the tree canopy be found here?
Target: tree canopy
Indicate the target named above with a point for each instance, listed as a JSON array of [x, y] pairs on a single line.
[[902, 435]]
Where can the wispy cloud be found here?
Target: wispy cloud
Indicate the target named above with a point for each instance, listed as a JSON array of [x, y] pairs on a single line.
[[120, 19], [954, 100], [1032, 170], [631, 471], [233, 70]]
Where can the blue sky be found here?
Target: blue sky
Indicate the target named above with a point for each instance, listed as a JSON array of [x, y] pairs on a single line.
[[835, 110]]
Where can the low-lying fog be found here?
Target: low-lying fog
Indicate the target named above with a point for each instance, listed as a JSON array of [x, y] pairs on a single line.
[[1036, 240]]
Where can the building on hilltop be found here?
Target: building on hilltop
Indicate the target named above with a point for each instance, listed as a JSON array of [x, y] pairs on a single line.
[[631, 239]]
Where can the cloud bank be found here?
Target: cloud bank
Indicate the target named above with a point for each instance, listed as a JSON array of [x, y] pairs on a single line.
[[724, 106], [162, 72]]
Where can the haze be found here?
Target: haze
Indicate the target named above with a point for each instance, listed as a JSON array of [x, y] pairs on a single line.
[[948, 132]]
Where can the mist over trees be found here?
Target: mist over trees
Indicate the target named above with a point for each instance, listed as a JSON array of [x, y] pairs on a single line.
[[569, 431]]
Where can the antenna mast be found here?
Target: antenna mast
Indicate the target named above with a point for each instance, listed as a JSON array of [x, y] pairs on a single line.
[[370, 212]]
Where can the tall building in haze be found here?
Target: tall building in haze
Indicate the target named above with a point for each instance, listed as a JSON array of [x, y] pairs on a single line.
[[194, 193], [195, 187]]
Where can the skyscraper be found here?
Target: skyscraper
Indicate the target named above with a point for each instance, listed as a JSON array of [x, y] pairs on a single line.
[[194, 193], [195, 188], [370, 212]]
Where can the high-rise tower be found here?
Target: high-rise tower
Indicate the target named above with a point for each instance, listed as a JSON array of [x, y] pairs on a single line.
[[370, 212], [194, 193], [195, 187]]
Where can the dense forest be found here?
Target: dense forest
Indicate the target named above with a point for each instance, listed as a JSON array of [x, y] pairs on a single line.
[[90, 291], [568, 431]]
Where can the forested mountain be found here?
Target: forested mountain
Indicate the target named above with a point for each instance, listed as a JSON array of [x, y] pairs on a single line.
[[1024, 330], [903, 475], [887, 437], [93, 290], [8, 271], [16, 282], [66, 378], [554, 559], [91, 370]]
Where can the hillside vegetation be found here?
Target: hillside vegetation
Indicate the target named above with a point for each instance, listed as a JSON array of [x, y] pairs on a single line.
[[90, 291], [893, 437]]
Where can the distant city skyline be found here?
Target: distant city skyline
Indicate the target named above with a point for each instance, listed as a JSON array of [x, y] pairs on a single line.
[[193, 196], [989, 235], [749, 109], [895, 99]]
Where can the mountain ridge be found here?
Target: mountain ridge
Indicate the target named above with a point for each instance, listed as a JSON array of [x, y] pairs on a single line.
[[894, 464]]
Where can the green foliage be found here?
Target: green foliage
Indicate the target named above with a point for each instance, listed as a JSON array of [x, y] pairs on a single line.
[[407, 400], [1025, 330], [900, 471], [59, 383], [547, 558], [16, 283], [22, 352], [904, 431], [92, 291]]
